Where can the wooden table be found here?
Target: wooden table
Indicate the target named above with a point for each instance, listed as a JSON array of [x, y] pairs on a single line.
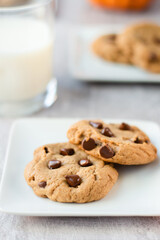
[[76, 99]]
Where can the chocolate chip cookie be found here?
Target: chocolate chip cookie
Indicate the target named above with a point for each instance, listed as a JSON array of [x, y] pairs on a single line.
[[106, 47], [147, 57], [138, 44], [117, 143], [146, 34], [64, 173]]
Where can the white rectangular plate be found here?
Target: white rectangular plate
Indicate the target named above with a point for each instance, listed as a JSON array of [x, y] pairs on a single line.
[[85, 65], [137, 192]]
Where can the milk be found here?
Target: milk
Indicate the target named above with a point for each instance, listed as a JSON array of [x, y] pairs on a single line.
[[26, 48]]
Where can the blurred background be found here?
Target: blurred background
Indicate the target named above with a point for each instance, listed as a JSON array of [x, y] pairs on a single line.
[[84, 12], [77, 99], [83, 99]]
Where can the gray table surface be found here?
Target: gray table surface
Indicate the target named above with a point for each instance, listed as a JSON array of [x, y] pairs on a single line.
[[76, 99]]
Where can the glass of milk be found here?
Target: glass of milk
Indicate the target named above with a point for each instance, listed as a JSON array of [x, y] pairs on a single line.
[[27, 83]]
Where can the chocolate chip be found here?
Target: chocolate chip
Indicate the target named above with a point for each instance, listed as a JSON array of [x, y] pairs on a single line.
[[67, 151], [106, 151], [42, 184], [73, 180], [124, 126], [153, 57], [89, 144], [107, 132], [96, 124], [33, 178], [138, 141], [46, 150], [85, 163], [111, 38], [53, 164], [156, 40]]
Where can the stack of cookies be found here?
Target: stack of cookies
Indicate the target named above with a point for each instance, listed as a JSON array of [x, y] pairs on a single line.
[[82, 170], [139, 45]]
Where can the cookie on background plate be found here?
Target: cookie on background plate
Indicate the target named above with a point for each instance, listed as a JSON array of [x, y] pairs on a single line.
[[144, 33], [106, 47], [64, 173], [117, 143], [147, 57]]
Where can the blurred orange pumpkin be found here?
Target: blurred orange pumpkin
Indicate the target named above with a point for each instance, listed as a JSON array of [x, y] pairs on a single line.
[[122, 4]]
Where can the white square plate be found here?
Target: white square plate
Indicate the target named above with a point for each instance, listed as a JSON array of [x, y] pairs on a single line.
[[137, 192], [86, 66]]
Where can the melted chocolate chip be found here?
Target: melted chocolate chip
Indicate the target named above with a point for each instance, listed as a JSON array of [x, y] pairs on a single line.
[[46, 150], [124, 126], [42, 184], [33, 178], [67, 151], [53, 164], [106, 151], [138, 141], [73, 180], [85, 163], [153, 57], [156, 40], [89, 144], [111, 38], [107, 132], [96, 124]]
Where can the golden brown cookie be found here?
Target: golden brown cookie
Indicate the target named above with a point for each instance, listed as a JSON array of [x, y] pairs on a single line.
[[117, 143], [139, 44], [147, 56], [106, 47], [143, 33], [64, 173]]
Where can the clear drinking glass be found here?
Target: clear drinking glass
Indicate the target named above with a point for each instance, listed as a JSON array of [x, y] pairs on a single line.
[[27, 82]]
